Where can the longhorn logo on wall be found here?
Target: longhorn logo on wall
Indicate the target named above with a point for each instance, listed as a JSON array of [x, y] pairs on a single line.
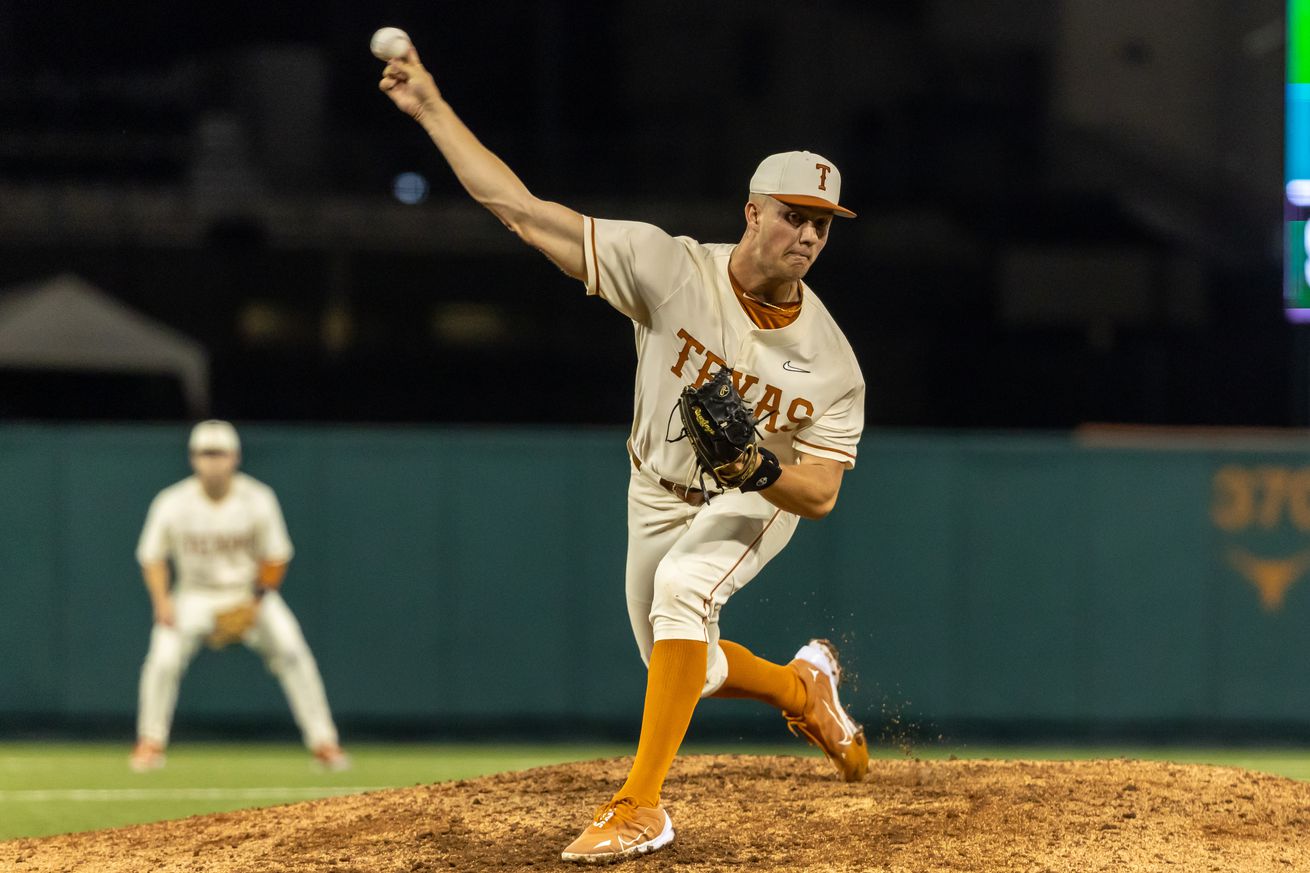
[[1271, 499]]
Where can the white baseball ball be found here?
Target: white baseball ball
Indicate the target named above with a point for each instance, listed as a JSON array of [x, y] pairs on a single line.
[[388, 43]]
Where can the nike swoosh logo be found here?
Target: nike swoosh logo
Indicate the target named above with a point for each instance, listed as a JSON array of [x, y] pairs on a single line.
[[624, 845], [847, 736], [789, 368]]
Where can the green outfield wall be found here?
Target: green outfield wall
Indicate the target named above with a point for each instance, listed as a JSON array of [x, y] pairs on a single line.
[[467, 576]]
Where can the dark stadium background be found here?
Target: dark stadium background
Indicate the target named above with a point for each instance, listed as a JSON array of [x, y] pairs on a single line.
[[1061, 220]]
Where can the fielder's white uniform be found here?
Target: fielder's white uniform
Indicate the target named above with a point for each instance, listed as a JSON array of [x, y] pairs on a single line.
[[802, 380], [216, 549]]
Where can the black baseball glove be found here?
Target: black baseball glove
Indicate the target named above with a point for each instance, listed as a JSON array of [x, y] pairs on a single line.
[[722, 434]]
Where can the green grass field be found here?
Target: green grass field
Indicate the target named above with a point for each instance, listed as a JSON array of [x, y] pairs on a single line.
[[57, 787]]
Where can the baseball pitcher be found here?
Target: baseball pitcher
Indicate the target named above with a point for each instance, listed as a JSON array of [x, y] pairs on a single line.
[[742, 357], [224, 534]]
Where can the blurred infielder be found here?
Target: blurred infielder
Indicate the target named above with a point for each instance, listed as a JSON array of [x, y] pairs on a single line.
[[227, 540], [696, 308]]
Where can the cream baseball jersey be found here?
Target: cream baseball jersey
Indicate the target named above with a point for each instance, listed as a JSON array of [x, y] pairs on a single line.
[[215, 545], [802, 380]]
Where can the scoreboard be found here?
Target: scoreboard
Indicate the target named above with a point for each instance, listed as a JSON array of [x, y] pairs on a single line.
[[1296, 165]]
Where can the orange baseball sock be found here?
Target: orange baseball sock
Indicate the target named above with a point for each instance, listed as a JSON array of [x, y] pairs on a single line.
[[753, 677], [673, 687]]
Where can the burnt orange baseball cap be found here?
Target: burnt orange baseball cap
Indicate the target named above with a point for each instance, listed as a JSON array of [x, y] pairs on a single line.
[[801, 179]]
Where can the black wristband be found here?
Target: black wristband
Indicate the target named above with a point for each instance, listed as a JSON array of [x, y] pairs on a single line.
[[765, 474]]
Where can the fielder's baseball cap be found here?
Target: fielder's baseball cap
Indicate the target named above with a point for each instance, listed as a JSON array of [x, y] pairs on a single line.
[[801, 179], [214, 436]]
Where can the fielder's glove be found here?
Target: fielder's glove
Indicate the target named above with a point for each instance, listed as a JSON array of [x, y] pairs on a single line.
[[722, 433], [231, 624]]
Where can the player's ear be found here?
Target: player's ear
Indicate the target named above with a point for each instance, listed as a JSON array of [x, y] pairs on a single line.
[[752, 212]]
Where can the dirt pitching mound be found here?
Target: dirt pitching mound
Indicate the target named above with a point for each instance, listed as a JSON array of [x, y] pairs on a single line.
[[746, 812]]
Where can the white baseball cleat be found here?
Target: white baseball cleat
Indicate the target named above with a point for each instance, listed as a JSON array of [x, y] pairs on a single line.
[[146, 756], [825, 722]]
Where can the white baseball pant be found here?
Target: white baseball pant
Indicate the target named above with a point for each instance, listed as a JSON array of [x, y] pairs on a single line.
[[275, 636], [684, 563]]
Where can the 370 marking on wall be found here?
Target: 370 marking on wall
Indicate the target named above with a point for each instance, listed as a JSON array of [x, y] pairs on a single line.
[[1263, 497]]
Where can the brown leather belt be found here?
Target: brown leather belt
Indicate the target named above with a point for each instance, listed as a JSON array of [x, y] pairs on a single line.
[[689, 496]]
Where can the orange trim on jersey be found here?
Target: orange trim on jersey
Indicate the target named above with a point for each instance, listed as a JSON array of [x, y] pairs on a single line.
[[764, 316], [709, 601], [595, 260], [823, 448]]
